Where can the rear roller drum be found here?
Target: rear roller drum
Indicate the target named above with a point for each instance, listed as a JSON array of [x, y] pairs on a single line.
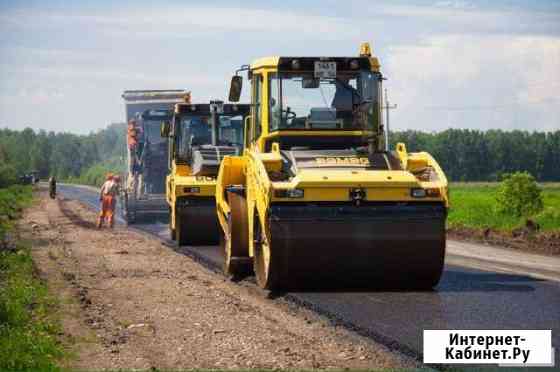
[[235, 246]]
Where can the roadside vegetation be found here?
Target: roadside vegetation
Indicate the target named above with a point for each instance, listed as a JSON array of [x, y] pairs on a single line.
[[479, 206], [63, 155], [12, 200], [28, 328], [96, 174]]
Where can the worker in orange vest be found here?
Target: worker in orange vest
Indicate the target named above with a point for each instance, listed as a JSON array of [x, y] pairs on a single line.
[[132, 142], [134, 136], [108, 199]]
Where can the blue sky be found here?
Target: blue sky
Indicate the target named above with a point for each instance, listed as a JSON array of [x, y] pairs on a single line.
[[449, 63]]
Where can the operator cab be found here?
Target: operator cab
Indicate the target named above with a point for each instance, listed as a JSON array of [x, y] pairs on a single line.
[[204, 133], [312, 99], [151, 153], [150, 121], [318, 103]]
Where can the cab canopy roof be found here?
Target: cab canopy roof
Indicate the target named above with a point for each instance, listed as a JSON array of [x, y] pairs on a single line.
[[308, 63], [204, 109], [167, 95]]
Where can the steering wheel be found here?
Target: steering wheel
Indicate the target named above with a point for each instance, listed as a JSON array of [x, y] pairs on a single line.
[[290, 115]]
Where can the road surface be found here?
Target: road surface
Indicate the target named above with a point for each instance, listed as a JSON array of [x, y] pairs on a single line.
[[472, 294]]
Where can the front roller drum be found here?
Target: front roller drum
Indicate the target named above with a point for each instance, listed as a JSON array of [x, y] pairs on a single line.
[[196, 222], [235, 243], [386, 246]]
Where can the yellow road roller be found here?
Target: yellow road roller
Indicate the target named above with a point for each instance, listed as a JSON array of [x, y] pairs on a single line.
[[200, 136], [317, 200]]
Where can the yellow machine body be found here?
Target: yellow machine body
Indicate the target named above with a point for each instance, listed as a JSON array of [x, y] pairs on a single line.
[[321, 202]]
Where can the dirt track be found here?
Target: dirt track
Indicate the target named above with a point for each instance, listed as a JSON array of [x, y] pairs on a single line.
[[128, 301]]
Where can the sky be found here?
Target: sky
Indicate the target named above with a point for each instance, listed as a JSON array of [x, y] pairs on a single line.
[[448, 63]]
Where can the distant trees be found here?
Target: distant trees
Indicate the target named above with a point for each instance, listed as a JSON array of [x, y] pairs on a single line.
[[472, 155], [465, 155], [63, 155]]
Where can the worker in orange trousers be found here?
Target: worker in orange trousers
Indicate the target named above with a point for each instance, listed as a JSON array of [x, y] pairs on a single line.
[[108, 199]]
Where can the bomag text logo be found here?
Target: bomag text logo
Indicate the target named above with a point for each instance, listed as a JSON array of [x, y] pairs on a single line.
[[342, 161], [205, 178]]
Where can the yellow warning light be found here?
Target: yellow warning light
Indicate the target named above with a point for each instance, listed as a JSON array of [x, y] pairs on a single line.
[[365, 50]]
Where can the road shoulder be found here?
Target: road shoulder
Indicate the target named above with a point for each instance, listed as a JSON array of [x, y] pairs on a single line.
[[488, 257]]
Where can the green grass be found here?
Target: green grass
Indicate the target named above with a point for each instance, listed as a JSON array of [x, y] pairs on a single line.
[[28, 329], [474, 206], [12, 200]]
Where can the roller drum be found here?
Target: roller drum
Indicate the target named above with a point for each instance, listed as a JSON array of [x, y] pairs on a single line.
[[198, 221], [389, 245]]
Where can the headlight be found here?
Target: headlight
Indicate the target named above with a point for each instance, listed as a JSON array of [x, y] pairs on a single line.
[[289, 193], [295, 193], [433, 193], [418, 193]]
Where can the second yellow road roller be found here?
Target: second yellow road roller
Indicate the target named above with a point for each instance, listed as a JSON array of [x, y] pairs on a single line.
[[200, 136], [317, 199]]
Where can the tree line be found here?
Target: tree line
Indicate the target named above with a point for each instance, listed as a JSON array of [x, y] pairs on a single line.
[[473, 155], [62, 155], [465, 155]]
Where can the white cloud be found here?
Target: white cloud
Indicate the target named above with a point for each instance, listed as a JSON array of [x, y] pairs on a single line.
[[183, 20], [455, 4], [492, 80], [541, 59], [466, 18]]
